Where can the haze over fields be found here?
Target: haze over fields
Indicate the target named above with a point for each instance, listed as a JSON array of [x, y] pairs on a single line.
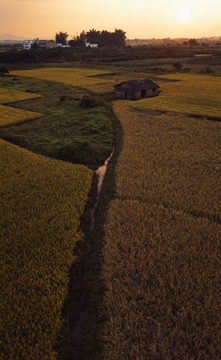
[[141, 19]]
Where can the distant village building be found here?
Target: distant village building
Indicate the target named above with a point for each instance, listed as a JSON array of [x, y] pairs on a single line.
[[47, 44], [42, 44], [136, 42], [87, 44], [66, 45], [27, 44], [199, 41], [136, 89]]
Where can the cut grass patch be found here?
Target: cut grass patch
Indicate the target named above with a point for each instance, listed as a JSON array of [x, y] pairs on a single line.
[[73, 129]]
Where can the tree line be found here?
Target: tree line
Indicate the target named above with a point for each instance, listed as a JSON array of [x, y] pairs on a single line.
[[102, 38]]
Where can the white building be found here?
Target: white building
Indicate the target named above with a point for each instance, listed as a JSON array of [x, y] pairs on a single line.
[[63, 46], [87, 44], [27, 44]]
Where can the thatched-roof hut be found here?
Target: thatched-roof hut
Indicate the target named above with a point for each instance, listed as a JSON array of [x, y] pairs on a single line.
[[136, 89]]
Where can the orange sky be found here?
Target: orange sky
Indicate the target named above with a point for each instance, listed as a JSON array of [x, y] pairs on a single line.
[[140, 19]]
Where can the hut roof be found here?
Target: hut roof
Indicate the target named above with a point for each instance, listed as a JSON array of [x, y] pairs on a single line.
[[136, 85]]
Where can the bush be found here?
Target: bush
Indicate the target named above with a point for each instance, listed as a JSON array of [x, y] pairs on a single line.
[[3, 70], [78, 152], [207, 70], [87, 102], [186, 70], [177, 65]]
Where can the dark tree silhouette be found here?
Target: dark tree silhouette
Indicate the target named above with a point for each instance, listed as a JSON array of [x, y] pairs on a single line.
[[61, 37], [106, 38], [78, 40], [193, 42]]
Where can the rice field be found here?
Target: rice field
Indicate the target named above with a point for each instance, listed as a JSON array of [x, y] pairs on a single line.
[[42, 201], [7, 96], [74, 77], [9, 115], [171, 160], [162, 254], [162, 276], [197, 95]]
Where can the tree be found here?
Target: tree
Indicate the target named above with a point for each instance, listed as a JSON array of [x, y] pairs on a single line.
[[78, 40], [177, 65], [193, 42], [106, 38], [93, 36], [119, 37], [61, 37]]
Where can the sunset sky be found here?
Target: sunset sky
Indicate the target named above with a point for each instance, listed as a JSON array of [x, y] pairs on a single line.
[[139, 19]]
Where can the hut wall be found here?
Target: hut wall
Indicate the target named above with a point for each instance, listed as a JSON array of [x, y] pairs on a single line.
[[135, 95], [120, 94], [151, 93], [130, 95]]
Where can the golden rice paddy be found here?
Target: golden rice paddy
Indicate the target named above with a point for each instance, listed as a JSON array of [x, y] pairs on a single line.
[[42, 201], [163, 239], [8, 96], [74, 77], [11, 115], [197, 95]]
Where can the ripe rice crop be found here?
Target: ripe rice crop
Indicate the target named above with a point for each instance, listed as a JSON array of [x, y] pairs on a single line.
[[192, 94], [162, 276], [74, 77], [42, 201], [8, 95], [162, 254], [9, 115], [171, 160], [203, 55]]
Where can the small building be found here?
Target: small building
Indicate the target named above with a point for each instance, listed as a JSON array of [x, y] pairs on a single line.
[[27, 44], [41, 43], [87, 44], [136, 89], [47, 44], [63, 46], [199, 41]]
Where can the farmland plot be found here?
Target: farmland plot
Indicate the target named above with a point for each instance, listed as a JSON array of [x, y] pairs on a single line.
[[42, 201], [163, 240], [10, 115], [8, 96], [190, 94], [74, 77], [170, 160]]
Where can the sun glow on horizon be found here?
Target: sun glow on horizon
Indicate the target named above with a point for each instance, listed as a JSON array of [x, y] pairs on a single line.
[[185, 14]]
